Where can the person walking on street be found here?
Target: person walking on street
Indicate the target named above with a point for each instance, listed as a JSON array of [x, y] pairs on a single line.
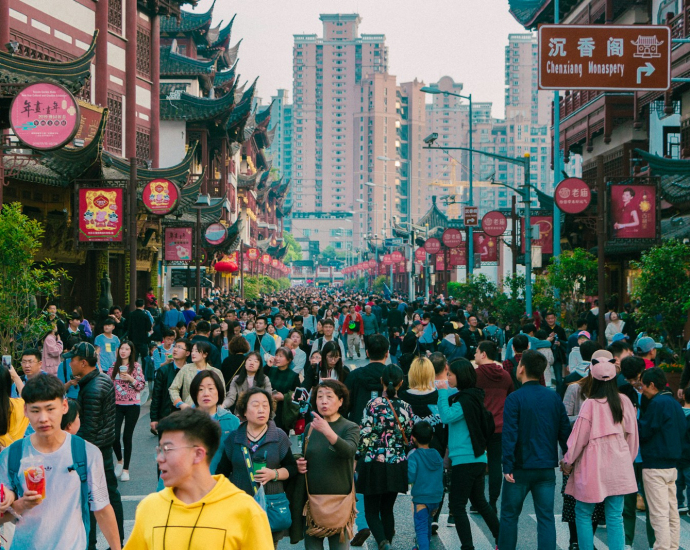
[[96, 399], [140, 325], [371, 324], [534, 424], [353, 330], [601, 450], [179, 389], [161, 404]]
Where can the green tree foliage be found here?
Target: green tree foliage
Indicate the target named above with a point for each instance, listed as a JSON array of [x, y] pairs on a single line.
[[294, 251], [379, 282], [509, 306], [23, 281], [663, 288], [574, 276], [357, 283], [256, 286], [479, 291]]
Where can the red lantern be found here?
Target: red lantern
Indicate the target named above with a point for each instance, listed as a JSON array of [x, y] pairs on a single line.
[[226, 265]]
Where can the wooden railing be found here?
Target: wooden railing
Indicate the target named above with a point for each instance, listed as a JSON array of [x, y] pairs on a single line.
[[574, 100]]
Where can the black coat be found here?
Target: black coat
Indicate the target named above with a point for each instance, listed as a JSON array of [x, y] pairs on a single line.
[[362, 383], [139, 327], [97, 401], [395, 319], [161, 404]]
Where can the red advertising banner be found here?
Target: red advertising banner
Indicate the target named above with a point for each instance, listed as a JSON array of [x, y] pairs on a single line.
[[178, 244], [160, 196], [372, 263], [573, 195], [397, 256], [265, 259], [494, 223], [440, 264], [387, 260], [452, 238], [45, 116], [457, 256], [274, 263], [432, 246], [633, 211], [420, 254], [486, 246], [545, 239], [100, 215], [253, 254]]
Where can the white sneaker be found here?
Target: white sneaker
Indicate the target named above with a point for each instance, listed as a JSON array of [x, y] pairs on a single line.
[[124, 476], [118, 470]]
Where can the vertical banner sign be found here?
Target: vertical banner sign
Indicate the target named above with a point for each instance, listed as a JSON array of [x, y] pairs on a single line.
[[457, 256], [178, 244], [486, 247], [440, 264], [100, 215], [633, 211], [545, 239]]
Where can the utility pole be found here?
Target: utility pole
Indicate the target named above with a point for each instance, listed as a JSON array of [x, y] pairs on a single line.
[[528, 237], [132, 232], [470, 243], [556, 156]]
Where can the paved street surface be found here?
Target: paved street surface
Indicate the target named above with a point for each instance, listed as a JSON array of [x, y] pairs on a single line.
[[143, 481]]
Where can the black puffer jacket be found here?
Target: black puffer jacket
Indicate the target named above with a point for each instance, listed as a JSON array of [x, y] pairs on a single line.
[[97, 400], [161, 404]]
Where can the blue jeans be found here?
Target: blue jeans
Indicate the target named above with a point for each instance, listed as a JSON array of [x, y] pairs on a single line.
[[542, 484], [423, 516], [683, 486], [360, 520], [615, 534]]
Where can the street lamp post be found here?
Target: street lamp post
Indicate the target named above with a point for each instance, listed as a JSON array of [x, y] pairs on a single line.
[[470, 244]]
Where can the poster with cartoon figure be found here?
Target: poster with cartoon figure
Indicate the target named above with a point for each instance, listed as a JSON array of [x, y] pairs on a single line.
[[100, 215]]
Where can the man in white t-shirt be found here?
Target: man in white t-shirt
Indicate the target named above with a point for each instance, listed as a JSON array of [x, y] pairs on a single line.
[[56, 521]]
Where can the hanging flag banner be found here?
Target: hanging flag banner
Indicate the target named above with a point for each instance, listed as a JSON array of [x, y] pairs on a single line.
[[440, 264], [457, 256], [265, 259], [545, 239], [44, 116], [486, 247], [161, 196], [633, 211], [178, 244], [494, 223], [253, 254], [100, 215], [573, 195]]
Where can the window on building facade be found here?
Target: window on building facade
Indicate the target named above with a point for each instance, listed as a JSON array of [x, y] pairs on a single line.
[[113, 133], [144, 52], [143, 145], [115, 16]]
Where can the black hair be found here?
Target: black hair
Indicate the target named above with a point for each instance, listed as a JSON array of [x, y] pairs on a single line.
[[243, 400], [632, 366], [587, 349], [582, 322], [438, 360], [617, 348], [297, 318], [528, 328], [196, 382], [652, 376], [377, 347], [422, 432], [488, 347], [541, 334], [139, 302], [465, 374], [118, 359], [113, 309], [287, 353], [73, 410], [608, 389], [32, 351], [392, 376], [43, 388], [686, 395], [330, 347], [197, 427], [168, 332], [259, 377], [186, 342], [108, 321], [629, 190], [520, 343], [5, 406], [261, 318], [203, 326], [535, 364], [337, 387], [203, 348], [549, 313], [327, 322]]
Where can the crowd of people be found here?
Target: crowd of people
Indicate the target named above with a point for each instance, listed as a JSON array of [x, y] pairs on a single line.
[[265, 433]]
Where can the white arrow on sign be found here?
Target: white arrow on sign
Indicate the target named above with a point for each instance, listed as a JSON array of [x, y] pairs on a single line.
[[647, 70]]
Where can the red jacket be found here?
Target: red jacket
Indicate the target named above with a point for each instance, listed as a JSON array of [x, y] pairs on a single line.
[[356, 317], [497, 384]]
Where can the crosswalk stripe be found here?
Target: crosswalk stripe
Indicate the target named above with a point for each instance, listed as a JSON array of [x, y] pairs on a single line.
[[449, 536]]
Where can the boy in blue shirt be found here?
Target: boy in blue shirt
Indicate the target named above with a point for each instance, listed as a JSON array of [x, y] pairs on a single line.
[[425, 473], [107, 345]]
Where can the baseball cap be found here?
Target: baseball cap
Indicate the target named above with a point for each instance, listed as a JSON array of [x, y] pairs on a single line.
[[585, 334], [618, 337], [603, 365], [646, 344], [416, 323], [83, 350]]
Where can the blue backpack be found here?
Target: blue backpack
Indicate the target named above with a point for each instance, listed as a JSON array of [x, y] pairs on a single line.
[[79, 458]]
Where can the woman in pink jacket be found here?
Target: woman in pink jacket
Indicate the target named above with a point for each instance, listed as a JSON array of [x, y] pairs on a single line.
[[601, 451], [52, 350]]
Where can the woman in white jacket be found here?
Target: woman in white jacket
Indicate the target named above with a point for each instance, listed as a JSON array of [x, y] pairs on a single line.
[[615, 326]]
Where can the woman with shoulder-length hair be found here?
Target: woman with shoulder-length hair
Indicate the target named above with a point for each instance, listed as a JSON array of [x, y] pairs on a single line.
[[469, 427], [601, 450], [329, 456], [250, 374], [238, 349], [421, 394], [385, 432], [331, 366], [283, 380]]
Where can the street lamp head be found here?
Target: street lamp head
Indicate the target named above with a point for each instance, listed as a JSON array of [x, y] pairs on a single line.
[[369, 184], [431, 90], [526, 155]]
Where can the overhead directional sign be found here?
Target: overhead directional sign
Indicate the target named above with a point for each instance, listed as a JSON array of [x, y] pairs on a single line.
[[471, 216], [604, 57], [396, 241]]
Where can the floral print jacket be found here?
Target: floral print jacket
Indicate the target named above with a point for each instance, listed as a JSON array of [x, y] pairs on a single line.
[[128, 393], [380, 437]]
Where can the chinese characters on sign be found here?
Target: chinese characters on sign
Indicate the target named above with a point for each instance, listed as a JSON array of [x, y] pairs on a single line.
[[160, 196], [545, 239], [494, 223], [633, 211], [604, 57], [432, 245], [471, 216], [178, 244], [44, 116], [397, 256], [452, 238], [100, 215], [420, 255], [486, 247], [573, 195], [457, 256]]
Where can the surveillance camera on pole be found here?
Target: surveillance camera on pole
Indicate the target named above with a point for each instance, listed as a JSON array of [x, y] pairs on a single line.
[[431, 138]]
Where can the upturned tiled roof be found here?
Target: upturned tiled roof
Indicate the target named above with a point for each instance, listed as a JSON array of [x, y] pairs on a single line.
[[187, 22]]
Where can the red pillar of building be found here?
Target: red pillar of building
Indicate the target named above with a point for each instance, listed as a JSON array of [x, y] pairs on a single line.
[[131, 83], [204, 160], [155, 92], [101, 96], [4, 22]]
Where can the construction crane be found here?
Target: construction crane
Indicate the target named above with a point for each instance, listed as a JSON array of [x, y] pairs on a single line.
[[457, 190]]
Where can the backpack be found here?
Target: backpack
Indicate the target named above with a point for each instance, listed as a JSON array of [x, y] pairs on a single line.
[[493, 337], [78, 447]]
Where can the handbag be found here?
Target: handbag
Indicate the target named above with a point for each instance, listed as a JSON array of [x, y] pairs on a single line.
[[329, 515], [277, 506]]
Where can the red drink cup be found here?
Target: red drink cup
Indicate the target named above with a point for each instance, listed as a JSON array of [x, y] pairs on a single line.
[[35, 477]]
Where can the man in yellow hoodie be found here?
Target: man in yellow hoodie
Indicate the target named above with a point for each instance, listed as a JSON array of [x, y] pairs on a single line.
[[196, 511]]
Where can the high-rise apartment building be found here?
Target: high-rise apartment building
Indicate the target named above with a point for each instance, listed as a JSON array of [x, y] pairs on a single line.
[[522, 71], [327, 76]]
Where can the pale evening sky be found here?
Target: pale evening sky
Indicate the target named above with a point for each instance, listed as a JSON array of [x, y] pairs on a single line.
[[426, 39]]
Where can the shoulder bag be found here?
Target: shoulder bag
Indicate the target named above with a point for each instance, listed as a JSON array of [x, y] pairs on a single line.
[[329, 515], [397, 421], [277, 506]]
